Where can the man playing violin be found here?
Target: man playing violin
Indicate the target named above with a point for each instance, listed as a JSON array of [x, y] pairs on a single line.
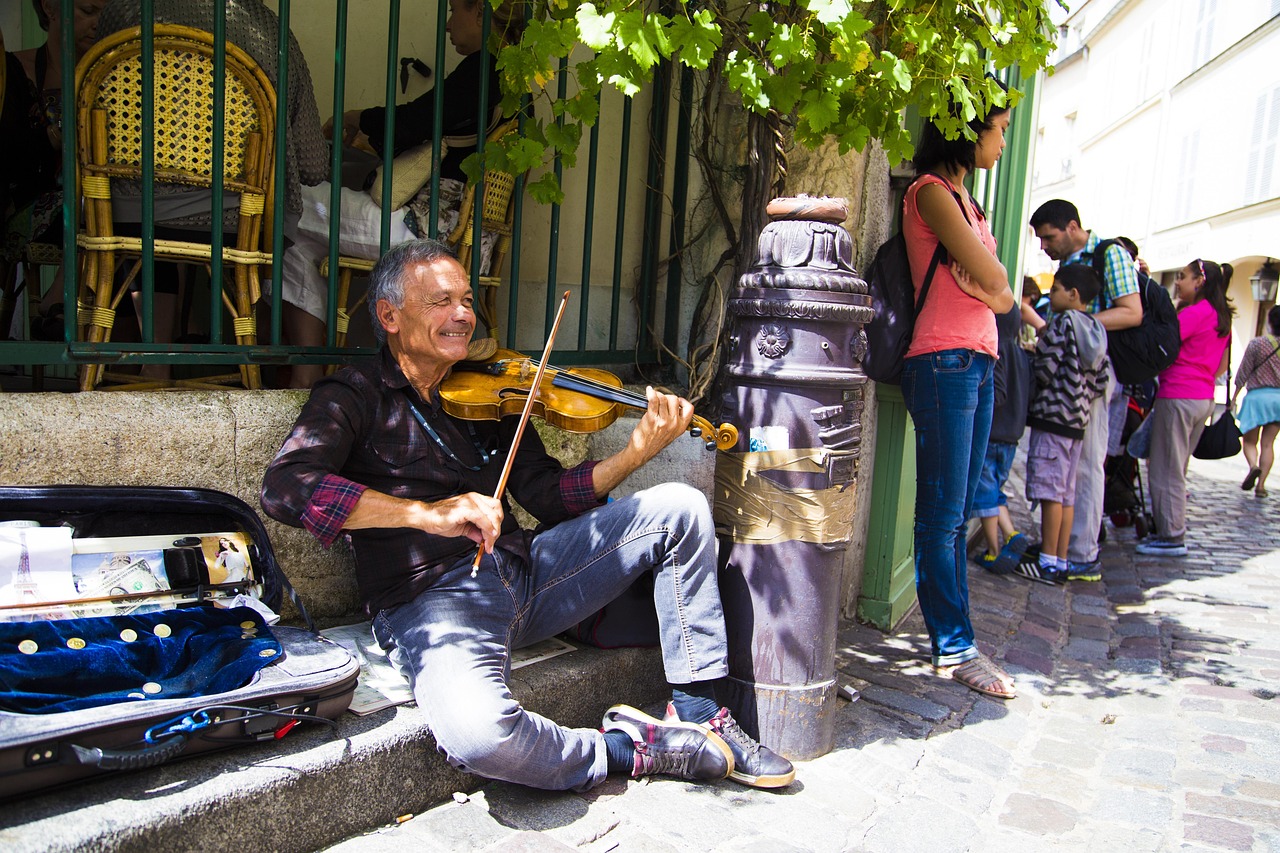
[[373, 457]]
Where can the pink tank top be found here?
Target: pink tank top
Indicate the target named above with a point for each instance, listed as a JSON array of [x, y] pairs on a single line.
[[950, 319]]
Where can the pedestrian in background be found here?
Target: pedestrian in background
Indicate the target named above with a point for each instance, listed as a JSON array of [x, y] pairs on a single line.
[[1012, 385], [1071, 371], [1184, 400], [1119, 306], [947, 383], [1260, 415]]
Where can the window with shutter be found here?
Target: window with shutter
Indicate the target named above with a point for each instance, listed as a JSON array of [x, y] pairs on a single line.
[[1260, 175], [1185, 181], [1202, 48]]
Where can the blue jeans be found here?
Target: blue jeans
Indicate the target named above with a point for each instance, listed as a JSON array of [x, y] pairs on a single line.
[[949, 395], [995, 473], [453, 641]]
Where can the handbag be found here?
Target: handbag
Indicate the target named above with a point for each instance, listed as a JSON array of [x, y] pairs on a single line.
[[1220, 439]]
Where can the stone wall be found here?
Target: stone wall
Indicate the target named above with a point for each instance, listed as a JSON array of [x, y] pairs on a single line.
[[224, 440]]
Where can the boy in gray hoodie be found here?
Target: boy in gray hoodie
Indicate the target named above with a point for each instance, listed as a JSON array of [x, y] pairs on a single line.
[[1070, 368]]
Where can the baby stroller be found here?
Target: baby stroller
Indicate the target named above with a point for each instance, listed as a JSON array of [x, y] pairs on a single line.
[[1123, 498]]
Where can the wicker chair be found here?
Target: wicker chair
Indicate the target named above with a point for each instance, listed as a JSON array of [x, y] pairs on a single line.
[[497, 217], [109, 146], [499, 207]]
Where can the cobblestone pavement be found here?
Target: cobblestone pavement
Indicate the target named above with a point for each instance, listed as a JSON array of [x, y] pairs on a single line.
[[1147, 719]]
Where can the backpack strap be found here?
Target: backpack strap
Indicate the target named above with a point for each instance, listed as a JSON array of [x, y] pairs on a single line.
[[939, 253]]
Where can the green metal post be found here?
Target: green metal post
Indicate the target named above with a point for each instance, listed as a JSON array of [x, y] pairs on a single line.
[[679, 199], [389, 121], [148, 169], [624, 159], [482, 125], [335, 173], [70, 269], [433, 226], [219, 155], [593, 157], [281, 144], [553, 250]]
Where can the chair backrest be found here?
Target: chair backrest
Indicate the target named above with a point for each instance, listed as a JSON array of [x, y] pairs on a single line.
[[109, 81]]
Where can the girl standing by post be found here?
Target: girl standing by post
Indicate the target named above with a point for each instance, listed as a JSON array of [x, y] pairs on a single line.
[[947, 383]]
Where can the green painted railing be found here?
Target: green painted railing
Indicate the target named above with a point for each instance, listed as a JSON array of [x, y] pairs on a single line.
[[657, 216]]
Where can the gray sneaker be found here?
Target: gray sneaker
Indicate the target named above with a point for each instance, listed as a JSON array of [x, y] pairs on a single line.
[[671, 747], [753, 763], [1161, 547]]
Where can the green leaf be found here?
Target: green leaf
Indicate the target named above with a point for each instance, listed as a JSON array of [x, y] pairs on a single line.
[[595, 30], [696, 40], [546, 189], [784, 90], [829, 12], [820, 110], [745, 75]]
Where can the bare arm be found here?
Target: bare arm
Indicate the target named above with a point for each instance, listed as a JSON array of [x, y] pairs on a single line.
[[940, 212], [999, 302], [666, 419], [475, 516], [1124, 313]]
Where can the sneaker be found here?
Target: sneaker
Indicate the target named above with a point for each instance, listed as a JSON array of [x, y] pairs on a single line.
[[1162, 547], [987, 561], [1018, 543], [753, 764], [1005, 562], [1029, 567], [1090, 571], [671, 747]]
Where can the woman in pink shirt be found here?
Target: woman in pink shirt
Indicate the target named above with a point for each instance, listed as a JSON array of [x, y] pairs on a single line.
[[947, 382], [1185, 399]]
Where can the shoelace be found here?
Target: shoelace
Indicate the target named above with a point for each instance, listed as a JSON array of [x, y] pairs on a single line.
[[727, 727], [672, 759]]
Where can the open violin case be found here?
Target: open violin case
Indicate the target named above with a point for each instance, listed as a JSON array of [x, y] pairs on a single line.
[[133, 632]]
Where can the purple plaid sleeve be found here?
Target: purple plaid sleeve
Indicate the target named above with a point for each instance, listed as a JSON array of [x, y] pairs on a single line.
[[330, 506], [577, 489]]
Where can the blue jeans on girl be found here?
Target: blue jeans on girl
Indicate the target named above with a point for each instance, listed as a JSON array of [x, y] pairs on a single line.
[[949, 395]]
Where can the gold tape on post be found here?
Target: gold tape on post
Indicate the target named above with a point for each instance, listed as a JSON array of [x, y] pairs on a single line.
[[753, 510]]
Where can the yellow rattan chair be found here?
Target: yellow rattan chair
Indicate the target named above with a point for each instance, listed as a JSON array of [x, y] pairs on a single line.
[[109, 146], [497, 217], [499, 208]]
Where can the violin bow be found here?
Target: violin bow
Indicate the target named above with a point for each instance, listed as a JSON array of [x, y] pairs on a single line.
[[524, 420]]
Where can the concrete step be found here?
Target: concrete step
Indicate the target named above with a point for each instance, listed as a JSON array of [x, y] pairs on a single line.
[[313, 788]]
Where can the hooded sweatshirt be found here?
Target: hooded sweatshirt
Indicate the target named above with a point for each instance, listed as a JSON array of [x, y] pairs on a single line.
[[1070, 368]]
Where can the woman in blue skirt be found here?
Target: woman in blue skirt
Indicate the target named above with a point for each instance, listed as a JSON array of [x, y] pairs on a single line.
[[1260, 415]]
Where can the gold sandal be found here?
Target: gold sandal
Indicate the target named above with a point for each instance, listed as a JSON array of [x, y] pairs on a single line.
[[982, 675]]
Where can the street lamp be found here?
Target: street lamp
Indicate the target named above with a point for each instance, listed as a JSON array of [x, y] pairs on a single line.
[[1264, 282]]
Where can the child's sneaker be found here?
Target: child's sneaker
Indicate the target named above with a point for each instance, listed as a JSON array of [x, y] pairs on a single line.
[[1029, 567], [1018, 543], [1090, 571], [1006, 561]]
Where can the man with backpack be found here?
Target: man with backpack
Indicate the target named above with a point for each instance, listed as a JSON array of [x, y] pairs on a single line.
[[1118, 307]]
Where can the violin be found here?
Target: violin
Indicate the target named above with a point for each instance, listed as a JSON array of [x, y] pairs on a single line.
[[581, 399]]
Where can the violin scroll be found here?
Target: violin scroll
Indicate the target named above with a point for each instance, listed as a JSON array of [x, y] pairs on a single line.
[[722, 437]]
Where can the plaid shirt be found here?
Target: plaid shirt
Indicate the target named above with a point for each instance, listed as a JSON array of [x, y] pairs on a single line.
[[358, 431], [1121, 274]]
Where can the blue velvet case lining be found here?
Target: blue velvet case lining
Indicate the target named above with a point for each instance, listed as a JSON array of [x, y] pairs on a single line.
[[68, 664]]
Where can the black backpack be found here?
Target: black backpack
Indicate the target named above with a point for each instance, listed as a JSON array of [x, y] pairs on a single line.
[[1138, 354], [894, 304]]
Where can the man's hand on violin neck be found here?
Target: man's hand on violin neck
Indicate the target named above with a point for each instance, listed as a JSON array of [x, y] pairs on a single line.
[[667, 418]]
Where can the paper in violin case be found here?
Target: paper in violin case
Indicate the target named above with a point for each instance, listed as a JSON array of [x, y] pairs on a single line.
[[134, 631]]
